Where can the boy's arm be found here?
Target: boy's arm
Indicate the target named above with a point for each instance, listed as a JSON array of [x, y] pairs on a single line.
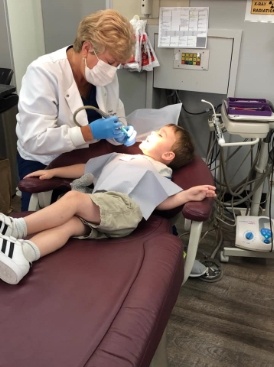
[[196, 193], [74, 171]]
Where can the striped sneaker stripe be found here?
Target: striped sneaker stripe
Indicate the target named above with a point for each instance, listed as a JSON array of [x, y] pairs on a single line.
[[4, 245], [10, 254], [4, 230], [6, 242]]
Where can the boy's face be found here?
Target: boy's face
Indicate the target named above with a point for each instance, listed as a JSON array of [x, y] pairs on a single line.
[[159, 143]]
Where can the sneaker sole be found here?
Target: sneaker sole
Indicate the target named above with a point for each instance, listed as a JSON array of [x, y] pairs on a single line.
[[198, 275], [6, 273]]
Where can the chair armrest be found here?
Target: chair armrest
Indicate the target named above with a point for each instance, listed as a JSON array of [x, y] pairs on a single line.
[[197, 173], [193, 174], [198, 211], [35, 185]]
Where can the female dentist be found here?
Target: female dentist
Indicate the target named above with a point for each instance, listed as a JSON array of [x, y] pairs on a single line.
[[57, 84]]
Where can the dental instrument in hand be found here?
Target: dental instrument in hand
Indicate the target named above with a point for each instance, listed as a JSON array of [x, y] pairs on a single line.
[[98, 110], [109, 127]]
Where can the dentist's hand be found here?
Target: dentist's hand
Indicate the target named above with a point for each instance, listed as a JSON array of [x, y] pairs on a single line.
[[106, 128], [128, 138]]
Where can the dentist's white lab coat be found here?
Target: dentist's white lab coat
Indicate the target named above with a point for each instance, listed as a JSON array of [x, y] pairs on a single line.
[[48, 99]]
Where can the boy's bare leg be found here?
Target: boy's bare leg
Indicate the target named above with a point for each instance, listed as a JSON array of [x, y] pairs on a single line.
[[53, 226], [17, 254], [72, 204], [52, 239]]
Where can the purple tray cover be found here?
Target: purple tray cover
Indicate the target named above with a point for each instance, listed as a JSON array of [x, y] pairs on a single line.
[[248, 106]]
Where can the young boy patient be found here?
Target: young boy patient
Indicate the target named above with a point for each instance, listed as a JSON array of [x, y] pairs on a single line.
[[127, 188]]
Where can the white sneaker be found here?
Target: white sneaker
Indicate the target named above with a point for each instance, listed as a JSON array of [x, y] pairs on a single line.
[[13, 264], [6, 226]]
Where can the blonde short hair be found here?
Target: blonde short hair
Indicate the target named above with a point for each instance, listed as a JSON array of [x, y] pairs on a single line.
[[107, 30]]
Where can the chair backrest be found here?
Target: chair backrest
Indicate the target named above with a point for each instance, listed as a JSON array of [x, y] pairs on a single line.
[[5, 76]]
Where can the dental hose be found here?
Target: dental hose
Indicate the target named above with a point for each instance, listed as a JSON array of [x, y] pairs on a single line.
[[88, 107], [102, 113]]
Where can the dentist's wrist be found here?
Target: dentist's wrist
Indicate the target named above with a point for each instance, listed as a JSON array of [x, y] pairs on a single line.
[[87, 133]]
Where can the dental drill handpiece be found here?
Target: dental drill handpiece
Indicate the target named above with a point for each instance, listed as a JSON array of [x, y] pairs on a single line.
[[102, 113], [216, 123]]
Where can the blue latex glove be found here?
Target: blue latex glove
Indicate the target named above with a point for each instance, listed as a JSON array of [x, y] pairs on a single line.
[[128, 138], [106, 128]]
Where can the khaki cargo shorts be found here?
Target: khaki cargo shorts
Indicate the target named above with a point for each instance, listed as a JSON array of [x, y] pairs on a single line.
[[119, 215]]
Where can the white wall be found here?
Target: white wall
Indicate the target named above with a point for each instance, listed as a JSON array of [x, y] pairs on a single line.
[[26, 34], [5, 48], [256, 65], [61, 19]]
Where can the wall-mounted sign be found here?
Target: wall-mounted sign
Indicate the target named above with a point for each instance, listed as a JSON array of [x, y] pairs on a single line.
[[259, 11], [262, 7], [183, 27]]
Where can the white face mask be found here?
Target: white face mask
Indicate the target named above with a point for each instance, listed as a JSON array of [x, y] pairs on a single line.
[[101, 74]]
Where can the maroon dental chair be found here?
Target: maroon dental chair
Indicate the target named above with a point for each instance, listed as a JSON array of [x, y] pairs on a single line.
[[103, 303]]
